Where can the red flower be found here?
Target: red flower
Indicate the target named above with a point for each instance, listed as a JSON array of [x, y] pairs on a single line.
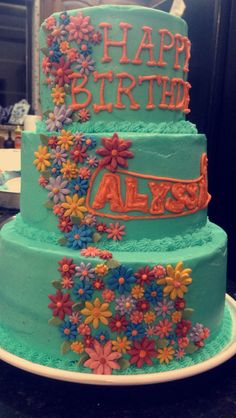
[[84, 115], [101, 227], [95, 37], [61, 304], [62, 72], [84, 173], [143, 305], [142, 352], [183, 328], [114, 152], [144, 275], [42, 181], [115, 231], [78, 154], [118, 323], [105, 255], [67, 267], [159, 271], [88, 341], [65, 224], [90, 252], [180, 304], [58, 210], [98, 284], [52, 142]]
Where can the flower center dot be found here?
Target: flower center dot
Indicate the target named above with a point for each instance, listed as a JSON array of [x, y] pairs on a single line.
[[121, 280], [114, 152], [142, 353]]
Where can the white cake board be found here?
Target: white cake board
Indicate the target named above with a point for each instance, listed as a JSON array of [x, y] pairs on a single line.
[[130, 380]]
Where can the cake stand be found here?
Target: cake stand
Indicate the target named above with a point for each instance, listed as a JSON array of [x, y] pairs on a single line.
[[131, 380]]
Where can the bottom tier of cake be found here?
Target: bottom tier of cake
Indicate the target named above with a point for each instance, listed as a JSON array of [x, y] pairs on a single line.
[[136, 312]]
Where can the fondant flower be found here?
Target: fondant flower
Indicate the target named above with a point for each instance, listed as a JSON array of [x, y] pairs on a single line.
[[65, 139], [85, 64], [54, 52], [114, 152], [176, 317], [84, 173], [69, 170], [67, 267], [77, 347], [64, 46], [102, 358], [118, 323], [121, 279], [72, 54], [149, 317], [136, 317], [180, 304], [78, 153], [57, 189], [61, 71], [50, 22], [42, 181], [79, 186], [75, 318], [74, 206], [89, 141], [135, 331], [108, 295], [67, 282], [58, 156], [115, 231], [96, 312], [46, 65], [159, 271], [176, 281], [83, 115], [85, 48], [165, 355], [101, 269], [199, 333], [183, 328], [61, 304], [82, 291], [58, 95], [55, 170], [90, 252], [179, 354], [102, 337], [92, 162], [79, 28], [163, 328], [153, 293], [98, 284], [84, 329], [79, 237], [164, 307], [95, 37], [101, 227], [64, 18], [68, 331], [124, 304], [85, 271], [137, 291], [58, 32], [42, 158], [143, 305], [144, 275], [59, 117], [142, 352], [105, 255], [52, 142], [121, 344], [89, 220]]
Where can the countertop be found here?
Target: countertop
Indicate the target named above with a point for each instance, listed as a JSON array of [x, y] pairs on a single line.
[[211, 394]]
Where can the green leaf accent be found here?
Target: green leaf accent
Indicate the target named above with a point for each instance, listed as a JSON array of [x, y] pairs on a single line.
[[82, 359], [55, 321], [75, 220], [46, 174], [67, 89], [57, 284], [46, 113], [162, 343], [187, 313], [75, 117], [123, 363], [44, 139], [49, 204], [191, 348], [65, 347], [44, 50], [62, 241], [112, 264], [96, 237], [78, 306]]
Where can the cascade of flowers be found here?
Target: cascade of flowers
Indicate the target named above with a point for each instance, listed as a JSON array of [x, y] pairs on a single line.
[[112, 317]]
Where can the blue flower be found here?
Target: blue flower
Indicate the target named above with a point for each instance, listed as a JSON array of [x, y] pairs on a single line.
[[68, 331], [102, 337], [79, 237], [85, 48], [153, 293], [55, 170], [121, 279], [79, 186], [90, 142], [64, 18], [135, 331], [54, 52], [83, 290]]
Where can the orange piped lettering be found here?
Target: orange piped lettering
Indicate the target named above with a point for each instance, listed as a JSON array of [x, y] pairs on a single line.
[[135, 200], [146, 43], [75, 90], [150, 79], [126, 90], [159, 192], [97, 107], [108, 42], [165, 46], [109, 191]]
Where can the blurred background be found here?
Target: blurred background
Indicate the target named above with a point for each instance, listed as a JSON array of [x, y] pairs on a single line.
[[212, 31]]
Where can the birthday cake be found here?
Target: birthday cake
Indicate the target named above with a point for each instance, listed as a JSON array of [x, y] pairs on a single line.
[[112, 266]]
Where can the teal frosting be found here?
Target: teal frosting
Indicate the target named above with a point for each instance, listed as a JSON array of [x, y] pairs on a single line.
[[181, 127]]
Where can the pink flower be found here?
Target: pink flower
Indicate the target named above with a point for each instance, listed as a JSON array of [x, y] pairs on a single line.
[[102, 358], [105, 255], [142, 352], [108, 295], [115, 231], [114, 152], [79, 28], [163, 328], [84, 329], [90, 252], [61, 304]]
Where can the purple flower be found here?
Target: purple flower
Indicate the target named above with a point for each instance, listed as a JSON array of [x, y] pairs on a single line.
[[57, 189], [58, 156], [164, 308], [59, 33], [124, 304], [85, 271], [59, 117], [92, 162], [85, 64], [89, 220], [198, 333]]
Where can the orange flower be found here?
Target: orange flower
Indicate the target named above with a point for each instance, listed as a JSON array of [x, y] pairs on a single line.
[[64, 46], [165, 354], [137, 292], [42, 157], [74, 206], [69, 170], [65, 139], [176, 316], [149, 317], [96, 312], [101, 269], [58, 95], [176, 281], [77, 347], [121, 344]]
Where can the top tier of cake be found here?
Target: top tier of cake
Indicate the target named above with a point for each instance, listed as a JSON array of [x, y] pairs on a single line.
[[114, 63]]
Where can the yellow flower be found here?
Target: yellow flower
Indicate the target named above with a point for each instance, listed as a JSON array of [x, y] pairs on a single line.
[[149, 317], [64, 46], [101, 269], [77, 347], [58, 95], [176, 281], [176, 316], [96, 312], [65, 139], [69, 170], [74, 206], [42, 157], [165, 354], [121, 344], [137, 292]]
